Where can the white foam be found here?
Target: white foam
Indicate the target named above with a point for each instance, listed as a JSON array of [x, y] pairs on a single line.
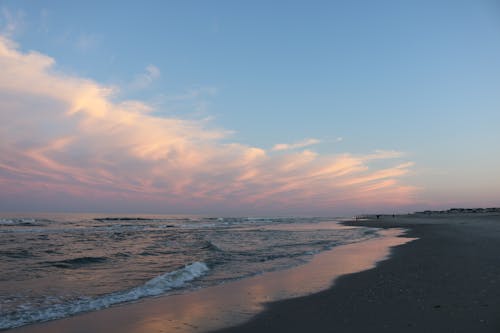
[[156, 286], [6, 222], [16, 221]]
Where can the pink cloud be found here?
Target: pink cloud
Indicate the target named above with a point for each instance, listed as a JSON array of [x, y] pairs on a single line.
[[301, 144], [66, 136]]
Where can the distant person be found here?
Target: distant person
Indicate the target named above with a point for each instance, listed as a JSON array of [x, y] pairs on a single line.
[[378, 216]]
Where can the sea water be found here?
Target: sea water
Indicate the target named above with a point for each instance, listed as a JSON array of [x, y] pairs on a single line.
[[57, 265]]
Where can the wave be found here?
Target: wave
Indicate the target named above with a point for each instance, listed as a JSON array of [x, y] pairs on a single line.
[[19, 222], [154, 287], [17, 253], [208, 245], [103, 219], [78, 262]]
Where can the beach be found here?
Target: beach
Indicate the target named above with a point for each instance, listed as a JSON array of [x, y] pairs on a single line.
[[446, 281], [443, 275], [249, 166]]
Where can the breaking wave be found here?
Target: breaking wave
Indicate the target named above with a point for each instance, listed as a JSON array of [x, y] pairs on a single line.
[[154, 287]]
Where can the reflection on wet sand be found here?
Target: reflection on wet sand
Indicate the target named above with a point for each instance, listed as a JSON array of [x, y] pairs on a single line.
[[232, 303]]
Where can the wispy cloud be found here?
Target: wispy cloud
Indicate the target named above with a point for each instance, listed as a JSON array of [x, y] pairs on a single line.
[[66, 137], [301, 144], [193, 101], [145, 79], [192, 94], [11, 22]]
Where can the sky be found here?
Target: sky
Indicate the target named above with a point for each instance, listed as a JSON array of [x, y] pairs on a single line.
[[324, 108]]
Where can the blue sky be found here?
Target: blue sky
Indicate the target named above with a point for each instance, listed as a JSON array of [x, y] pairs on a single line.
[[420, 78]]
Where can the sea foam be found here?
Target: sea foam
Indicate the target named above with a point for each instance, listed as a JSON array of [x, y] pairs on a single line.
[[154, 287]]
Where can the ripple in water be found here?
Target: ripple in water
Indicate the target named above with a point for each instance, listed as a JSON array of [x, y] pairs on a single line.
[[55, 266]]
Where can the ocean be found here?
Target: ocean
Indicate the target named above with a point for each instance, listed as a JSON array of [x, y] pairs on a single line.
[[58, 265]]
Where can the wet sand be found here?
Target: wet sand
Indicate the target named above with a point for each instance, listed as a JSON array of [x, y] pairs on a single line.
[[446, 281]]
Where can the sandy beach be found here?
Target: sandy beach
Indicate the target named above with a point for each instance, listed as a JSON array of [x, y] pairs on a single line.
[[448, 280]]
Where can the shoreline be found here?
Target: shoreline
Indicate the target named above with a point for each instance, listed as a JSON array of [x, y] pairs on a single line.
[[446, 281], [229, 304]]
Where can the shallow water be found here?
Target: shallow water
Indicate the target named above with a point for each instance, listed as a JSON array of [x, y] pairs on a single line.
[[58, 265]]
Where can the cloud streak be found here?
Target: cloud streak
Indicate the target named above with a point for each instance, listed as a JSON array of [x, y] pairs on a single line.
[[65, 138], [301, 144]]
